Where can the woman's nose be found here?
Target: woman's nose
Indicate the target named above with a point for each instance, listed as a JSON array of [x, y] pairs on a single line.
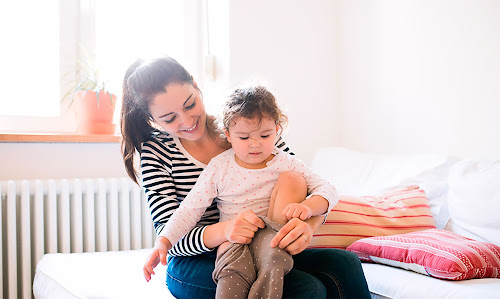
[[186, 120]]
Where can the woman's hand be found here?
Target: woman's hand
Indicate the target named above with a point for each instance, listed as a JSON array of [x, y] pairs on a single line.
[[295, 236], [242, 228], [159, 254]]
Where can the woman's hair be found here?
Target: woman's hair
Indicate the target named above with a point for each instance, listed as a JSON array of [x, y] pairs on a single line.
[[252, 102], [143, 81]]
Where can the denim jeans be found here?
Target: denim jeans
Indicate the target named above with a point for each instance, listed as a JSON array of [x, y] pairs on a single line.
[[316, 273]]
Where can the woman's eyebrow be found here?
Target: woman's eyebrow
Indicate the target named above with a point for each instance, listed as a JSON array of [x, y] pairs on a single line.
[[165, 115], [185, 102]]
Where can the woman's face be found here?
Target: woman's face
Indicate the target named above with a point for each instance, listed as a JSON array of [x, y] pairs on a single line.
[[180, 111]]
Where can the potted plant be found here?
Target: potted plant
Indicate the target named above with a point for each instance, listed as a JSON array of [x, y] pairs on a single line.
[[94, 104]]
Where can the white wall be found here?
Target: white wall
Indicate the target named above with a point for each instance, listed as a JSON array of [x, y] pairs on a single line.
[[290, 46], [420, 76], [385, 76], [60, 160]]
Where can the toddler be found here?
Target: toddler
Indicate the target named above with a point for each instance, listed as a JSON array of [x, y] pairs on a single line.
[[243, 178]]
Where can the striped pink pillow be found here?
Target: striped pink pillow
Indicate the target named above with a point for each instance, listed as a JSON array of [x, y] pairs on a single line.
[[434, 252], [352, 218]]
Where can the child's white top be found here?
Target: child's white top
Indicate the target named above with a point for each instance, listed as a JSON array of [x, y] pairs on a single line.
[[237, 189]]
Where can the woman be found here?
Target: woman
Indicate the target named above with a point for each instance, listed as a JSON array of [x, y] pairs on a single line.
[[163, 118]]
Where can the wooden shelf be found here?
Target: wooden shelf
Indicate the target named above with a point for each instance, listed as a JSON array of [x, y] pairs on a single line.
[[59, 137]]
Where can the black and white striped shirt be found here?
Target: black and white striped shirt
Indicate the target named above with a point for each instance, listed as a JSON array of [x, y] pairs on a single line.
[[168, 174]]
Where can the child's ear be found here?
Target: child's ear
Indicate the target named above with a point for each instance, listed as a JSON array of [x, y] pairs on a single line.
[[227, 136]]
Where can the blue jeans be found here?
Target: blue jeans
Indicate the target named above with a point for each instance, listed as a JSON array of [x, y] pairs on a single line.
[[316, 273]]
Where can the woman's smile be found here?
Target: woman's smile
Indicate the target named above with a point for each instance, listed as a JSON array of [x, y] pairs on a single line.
[[193, 128]]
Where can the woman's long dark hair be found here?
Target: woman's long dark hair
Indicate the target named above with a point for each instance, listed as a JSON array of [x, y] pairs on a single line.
[[143, 81]]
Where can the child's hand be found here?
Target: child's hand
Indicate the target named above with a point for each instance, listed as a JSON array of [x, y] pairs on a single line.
[[297, 210], [159, 254]]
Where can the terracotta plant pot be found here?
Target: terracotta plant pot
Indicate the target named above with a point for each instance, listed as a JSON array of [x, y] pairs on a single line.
[[95, 117]]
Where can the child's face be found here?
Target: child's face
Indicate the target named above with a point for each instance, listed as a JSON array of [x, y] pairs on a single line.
[[252, 141], [180, 111]]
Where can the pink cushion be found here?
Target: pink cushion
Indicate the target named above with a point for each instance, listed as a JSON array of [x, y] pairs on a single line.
[[353, 218], [438, 253]]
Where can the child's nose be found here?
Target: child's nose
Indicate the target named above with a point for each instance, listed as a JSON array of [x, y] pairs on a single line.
[[254, 142]]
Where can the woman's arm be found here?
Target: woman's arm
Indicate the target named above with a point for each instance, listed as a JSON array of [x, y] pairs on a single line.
[[281, 144], [295, 236], [161, 193]]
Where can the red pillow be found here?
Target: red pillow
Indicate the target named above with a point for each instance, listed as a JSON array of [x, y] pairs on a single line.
[[437, 253], [352, 218]]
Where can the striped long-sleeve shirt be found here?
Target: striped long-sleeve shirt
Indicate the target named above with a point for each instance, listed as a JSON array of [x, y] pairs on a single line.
[[168, 174]]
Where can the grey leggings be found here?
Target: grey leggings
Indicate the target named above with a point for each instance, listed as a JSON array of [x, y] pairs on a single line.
[[254, 270]]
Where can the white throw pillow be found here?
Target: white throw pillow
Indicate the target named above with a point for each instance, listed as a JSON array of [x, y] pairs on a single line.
[[356, 173], [474, 200]]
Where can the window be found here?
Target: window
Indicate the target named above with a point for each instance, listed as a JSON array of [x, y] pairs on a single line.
[[24, 76], [42, 40]]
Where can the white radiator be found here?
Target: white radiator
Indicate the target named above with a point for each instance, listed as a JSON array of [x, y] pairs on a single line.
[[75, 215]]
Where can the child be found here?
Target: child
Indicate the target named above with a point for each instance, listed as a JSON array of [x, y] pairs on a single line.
[[243, 178]]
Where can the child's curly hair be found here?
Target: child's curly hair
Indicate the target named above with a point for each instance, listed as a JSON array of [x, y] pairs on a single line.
[[252, 102]]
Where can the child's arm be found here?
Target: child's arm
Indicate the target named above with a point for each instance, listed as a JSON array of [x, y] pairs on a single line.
[[161, 190], [241, 229], [314, 205], [159, 255], [193, 206], [322, 194], [184, 218]]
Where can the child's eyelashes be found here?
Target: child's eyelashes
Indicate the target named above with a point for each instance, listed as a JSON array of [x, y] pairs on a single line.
[[263, 136]]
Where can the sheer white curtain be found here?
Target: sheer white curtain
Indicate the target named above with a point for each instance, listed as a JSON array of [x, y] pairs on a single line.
[[29, 57], [138, 29]]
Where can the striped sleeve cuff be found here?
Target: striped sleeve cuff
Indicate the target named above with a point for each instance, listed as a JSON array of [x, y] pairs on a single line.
[[191, 244]]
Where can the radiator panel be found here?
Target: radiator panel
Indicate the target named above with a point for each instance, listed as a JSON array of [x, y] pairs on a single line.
[[67, 215]]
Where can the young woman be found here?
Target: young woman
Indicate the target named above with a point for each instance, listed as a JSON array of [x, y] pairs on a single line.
[[163, 118]]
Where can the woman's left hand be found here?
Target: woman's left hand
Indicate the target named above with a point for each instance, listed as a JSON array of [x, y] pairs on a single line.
[[294, 237]]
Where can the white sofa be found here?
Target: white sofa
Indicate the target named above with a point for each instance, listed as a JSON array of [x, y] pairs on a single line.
[[464, 197]]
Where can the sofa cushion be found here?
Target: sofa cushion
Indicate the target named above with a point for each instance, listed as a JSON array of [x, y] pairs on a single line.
[[110, 274], [391, 282], [438, 253], [358, 173], [474, 200], [352, 218]]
